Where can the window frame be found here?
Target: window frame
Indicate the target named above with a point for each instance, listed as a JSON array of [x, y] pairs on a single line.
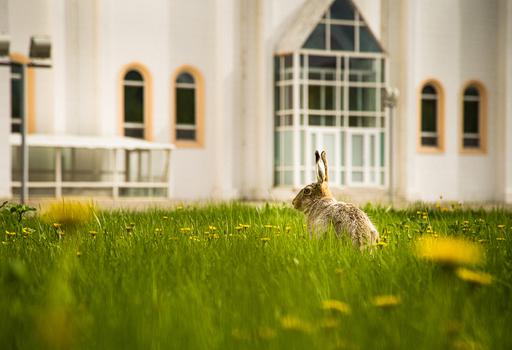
[[440, 117], [482, 119], [199, 107], [147, 99]]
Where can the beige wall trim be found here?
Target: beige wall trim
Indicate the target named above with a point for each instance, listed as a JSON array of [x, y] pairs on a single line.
[[30, 76], [148, 98], [200, 101], [439, 115], [482, 118]]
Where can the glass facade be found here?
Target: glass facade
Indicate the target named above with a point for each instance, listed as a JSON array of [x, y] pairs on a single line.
[[328, 97]]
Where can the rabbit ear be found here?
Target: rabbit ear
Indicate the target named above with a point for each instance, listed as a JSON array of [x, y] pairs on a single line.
[[320, 176], [326, 170]]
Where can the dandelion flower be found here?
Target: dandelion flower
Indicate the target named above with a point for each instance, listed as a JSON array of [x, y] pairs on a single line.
[[451, 251], [265, 239], [336, 305], [386, 301], [293, 323], [474, 277]]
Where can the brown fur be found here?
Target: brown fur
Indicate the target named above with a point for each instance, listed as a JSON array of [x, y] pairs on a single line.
[[322, 210]]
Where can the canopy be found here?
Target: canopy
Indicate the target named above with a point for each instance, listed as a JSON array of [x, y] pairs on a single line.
[[88, 142]]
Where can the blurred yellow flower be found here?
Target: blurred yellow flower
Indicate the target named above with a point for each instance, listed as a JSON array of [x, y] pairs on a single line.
[[293, 323], [68, 214], [10, 233], [386, 300], [474, 277], [452, 251], [336, 305], [265, 239], [185, 229]]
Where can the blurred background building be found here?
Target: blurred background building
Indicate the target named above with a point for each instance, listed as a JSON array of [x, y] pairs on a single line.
[[229, 99]]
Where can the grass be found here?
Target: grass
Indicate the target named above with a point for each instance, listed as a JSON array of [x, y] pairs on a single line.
[[234, 276]]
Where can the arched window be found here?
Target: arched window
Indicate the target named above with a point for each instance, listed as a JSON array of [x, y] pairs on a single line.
[[17, 97], [188, 107], [473, 119], [186, 128], [431, 118], [133, 119]]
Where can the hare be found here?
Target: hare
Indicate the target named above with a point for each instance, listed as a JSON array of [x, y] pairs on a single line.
[[322, 210]]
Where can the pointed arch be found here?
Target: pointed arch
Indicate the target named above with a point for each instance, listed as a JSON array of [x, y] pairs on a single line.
[[29, 74], [147, 99]]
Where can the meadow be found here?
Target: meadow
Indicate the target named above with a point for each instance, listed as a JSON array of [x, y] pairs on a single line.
[[235, 276]]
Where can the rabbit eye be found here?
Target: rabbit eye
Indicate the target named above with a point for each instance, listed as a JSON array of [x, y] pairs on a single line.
[[307, 191]]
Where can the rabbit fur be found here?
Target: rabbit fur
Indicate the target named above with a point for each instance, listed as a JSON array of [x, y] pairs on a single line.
[[322, 210]]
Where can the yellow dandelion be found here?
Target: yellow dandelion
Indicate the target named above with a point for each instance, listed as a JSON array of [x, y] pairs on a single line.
[[381, 244], [265, 239], [293, 323], [78, 254], [329, 322], [336, 305], [56, 225], [451, 251], [10, 233], [185, 229], [93, 233], [238, 228], [386, 301], [266, 333], [474, 277], [500, 239], [501, 226], [268, 226], [212, 228]]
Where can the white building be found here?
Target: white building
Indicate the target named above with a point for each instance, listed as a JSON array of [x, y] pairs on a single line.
[[246, 90]]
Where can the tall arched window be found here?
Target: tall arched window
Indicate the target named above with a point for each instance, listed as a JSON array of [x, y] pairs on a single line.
[[133, 87], [17, 97], [186, 128], [431, 118], [188, 107], [473, 117]]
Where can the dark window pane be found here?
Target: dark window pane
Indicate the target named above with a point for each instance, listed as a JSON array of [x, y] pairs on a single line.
[[471, 143], [342, 9], [362, 99], [185, 78], [16, 98], [471, 91], [137, 133], [321, 97], [342, 38], [277, 64], [15, 127], [367, 42], [316, 39], [364, 122], [288, 97], [277, 96], [363, 69], [134, 104], [471, 110], [429, 115], [185, 134], [16, 68], [429, 141], [322, 68], [429, 89], [133, 75], [185, 106]]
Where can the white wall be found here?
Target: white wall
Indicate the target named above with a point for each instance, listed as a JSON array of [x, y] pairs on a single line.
[[477, 181]]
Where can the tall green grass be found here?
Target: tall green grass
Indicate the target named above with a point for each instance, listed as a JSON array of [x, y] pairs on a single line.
[[229, 276]]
